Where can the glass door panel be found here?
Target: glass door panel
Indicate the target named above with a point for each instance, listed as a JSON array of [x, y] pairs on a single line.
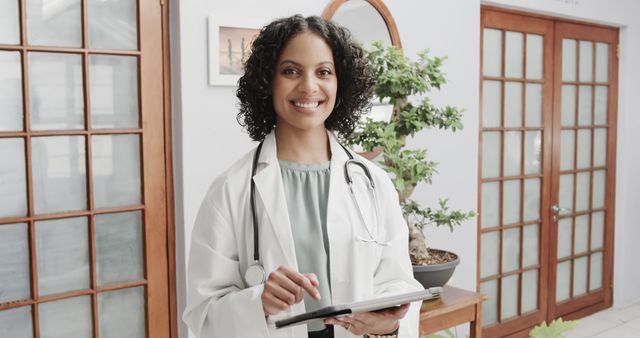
[[80, 211], [547, 129], [11, 117], [581, 168], [514, 168]]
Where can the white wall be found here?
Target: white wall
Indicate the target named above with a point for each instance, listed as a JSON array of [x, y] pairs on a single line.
[[207, 138]]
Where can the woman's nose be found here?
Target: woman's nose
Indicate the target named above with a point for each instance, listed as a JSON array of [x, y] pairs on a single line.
[[308, 84]]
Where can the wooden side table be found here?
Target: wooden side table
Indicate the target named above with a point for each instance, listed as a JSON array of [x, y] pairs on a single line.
[[455, 306]]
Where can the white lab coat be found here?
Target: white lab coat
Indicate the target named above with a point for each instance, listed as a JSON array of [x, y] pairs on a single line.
[[221, 305]]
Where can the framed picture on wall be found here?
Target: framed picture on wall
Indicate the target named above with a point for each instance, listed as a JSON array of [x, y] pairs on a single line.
[[229, 45]]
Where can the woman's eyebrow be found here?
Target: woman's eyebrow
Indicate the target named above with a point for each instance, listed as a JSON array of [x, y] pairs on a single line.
[[300, 65]]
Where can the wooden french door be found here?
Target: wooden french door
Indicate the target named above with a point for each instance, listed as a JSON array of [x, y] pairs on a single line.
[[547, 138], [84, 218]]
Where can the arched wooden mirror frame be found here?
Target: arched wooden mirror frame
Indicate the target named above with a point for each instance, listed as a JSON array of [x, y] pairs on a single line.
[[382, 9]]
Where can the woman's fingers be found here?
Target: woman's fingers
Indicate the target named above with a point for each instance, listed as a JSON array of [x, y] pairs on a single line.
[[302, 280], [284, 287], [272, 305], [313, 278]]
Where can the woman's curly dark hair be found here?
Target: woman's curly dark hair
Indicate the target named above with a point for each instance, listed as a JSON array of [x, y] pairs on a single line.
[[355, 78]]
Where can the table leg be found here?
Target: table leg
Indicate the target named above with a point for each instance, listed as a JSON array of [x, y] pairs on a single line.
[[475, 327]]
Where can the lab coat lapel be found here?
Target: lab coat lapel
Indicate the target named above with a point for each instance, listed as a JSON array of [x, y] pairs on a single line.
[[270, 191], [339, 215]]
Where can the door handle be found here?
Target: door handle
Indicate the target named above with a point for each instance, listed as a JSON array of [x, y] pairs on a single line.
[[557, 210]]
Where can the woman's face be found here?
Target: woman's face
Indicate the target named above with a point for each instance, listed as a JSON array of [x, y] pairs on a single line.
[[304, 84]]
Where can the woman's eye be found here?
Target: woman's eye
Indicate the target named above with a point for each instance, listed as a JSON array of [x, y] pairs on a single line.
[[325, 72], [289, 71]]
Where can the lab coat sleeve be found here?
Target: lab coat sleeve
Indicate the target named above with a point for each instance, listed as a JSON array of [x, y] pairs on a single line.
[[394, 273], [218, 305]]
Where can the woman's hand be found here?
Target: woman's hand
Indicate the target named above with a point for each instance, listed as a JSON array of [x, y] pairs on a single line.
[[378, 322], [283, 288]]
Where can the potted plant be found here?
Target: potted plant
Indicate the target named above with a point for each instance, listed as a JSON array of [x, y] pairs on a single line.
[[402, 81]]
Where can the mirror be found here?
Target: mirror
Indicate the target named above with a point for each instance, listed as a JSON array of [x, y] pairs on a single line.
[[368, 21]]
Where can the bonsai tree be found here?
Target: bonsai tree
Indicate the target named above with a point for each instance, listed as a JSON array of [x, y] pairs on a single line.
[[400, 79]]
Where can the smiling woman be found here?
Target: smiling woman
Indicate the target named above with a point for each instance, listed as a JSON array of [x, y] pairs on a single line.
[[304, 79]]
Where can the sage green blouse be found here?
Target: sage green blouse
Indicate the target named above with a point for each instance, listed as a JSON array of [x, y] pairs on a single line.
[[306, 187]]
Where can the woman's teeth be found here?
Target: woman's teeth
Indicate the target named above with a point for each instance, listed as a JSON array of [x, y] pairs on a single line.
[[308, 105]]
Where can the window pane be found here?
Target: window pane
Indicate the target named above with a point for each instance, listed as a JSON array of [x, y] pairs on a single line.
[[59, 170], [531, 250], [119, 247], [509, 297], [529, 291], [116, 170], [492, 52], [597, 230], [112, 24], [11, 116], [114, 91], [566, 191], [63, 255], [510, 249], [533, 152], [581, 235], [15, 275], [490, 154], [586, 61], [568, 60], [490, 248], [563, 281], [584, 148], [512, 153], [534, 56], [567, 146], [533, 113], [583, 182], [513, 54], [66, 318], [595, 277], [602, 62], [51, 23], [9, 23], [13, 179], [580, 276], [121, 313], [568, 105], [513, 104], [511, 202], [16, 323], [599, 147], [531, 199], [584, 106], [490, 204], [565, 233], [489, 306], [598, 189], [491, 101], [601, 105], [56, 100]]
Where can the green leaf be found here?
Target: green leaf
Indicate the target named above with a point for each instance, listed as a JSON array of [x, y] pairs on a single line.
[[553, 330]]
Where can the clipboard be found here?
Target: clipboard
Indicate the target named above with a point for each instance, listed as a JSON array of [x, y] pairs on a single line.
[[360, 306]]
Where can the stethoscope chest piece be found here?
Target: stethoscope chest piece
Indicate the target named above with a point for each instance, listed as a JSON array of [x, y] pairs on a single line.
[[255, 274]]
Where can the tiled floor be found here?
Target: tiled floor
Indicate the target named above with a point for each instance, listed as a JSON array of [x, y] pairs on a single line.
[[610, 323]]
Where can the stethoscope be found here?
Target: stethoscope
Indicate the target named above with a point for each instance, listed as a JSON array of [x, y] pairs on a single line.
[[255, 274]]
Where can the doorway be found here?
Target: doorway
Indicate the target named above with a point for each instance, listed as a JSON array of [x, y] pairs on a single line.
[[547, 164], [85, 185]]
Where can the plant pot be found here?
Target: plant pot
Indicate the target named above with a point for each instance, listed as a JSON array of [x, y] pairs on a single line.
[[437, 274]]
